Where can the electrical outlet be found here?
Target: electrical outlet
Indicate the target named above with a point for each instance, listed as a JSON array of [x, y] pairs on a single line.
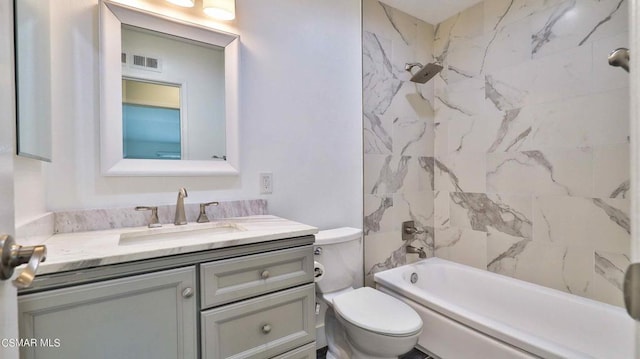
[[266, 183]]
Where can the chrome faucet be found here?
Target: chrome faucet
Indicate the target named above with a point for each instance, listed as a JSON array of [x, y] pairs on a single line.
[[420, 251], [180, 218]]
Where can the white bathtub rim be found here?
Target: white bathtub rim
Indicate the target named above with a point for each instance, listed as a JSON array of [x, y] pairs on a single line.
[[497, 330], [531, 343], [424, 310]]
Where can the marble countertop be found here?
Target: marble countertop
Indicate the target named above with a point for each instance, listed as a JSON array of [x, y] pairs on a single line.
[[70, 251]]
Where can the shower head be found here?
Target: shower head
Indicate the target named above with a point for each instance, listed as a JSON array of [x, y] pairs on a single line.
[[425, 73]]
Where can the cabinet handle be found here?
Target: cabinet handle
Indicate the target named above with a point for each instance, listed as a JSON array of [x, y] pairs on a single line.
[[265, 274], [187, 292], [266, 329]]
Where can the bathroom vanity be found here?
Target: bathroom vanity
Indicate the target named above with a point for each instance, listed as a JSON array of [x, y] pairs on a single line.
[[246, 293]]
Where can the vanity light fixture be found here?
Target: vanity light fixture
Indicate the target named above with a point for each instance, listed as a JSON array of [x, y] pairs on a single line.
[[220, 9], [183, 3]]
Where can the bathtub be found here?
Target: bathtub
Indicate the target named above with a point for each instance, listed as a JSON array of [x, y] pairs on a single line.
[[471, 313]]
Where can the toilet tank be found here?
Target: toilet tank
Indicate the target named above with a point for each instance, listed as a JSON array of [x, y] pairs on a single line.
[[340, 252]]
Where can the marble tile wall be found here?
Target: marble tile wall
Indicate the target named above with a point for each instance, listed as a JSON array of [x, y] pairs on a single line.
[[399, 131], [515, 158], [532, 143]]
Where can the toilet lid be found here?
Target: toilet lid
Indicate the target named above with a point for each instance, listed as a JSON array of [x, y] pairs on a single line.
[[378, 312]]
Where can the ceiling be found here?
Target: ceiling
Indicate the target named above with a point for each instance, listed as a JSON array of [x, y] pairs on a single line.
[[431, 11]]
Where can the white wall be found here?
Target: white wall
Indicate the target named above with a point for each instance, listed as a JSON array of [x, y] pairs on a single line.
[[300, 115]]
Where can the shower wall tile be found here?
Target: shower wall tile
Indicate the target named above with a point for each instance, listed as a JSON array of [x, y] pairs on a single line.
[[562, 75], [391, 174], [509, 131], [461, 172], [467, 101], [534, 172], [382, 251], [441, 139], [509, 214], [405, 25], [462, 245], [576, 23], [593, 120], [442, 218], [603, 121], [414, 206], [564, 268], [469, 134], [506, 46], [499, 13], [412, 137], [399, 134], [463, 58], [426, 174], [531, 143], [599, 224], [380, 85], [607, 282], [408, 102], [425, 35], [377, 134], [378, 214], [611, 171]]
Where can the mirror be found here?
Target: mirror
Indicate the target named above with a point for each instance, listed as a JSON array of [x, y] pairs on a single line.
[[33, 78], [168, 96]]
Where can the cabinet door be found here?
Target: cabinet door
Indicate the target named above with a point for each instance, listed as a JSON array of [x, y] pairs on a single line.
[[146, 316]]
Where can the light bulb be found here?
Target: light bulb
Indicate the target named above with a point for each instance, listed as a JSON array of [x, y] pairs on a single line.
[[183, 3], [220, 9]]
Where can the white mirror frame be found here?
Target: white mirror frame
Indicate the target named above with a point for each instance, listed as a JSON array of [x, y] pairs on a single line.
[[112, 16]]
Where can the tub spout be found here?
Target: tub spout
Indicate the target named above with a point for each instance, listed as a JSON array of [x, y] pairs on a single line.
[[420, 251]]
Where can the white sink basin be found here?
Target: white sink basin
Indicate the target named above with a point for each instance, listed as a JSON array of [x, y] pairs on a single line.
[[209, 231]]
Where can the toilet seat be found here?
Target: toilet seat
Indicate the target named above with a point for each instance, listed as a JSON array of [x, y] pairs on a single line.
[[377, 312]]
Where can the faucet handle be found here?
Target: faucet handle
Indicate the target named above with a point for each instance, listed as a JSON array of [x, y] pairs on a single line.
[[154, 223], [202, 217]]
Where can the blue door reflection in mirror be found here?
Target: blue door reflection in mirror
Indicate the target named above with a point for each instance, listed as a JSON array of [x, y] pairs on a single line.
[[151, 120], [151, 132]]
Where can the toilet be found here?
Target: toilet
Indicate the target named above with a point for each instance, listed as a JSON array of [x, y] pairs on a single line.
[[362, 322]]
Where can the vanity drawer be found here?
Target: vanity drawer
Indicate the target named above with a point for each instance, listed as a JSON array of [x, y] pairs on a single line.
[[261, 327], [306, 352], [234, 279]]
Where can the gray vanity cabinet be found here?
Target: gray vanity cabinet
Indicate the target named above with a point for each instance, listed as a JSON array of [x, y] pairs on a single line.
[[143, 316], [258, 306], [255, 301]]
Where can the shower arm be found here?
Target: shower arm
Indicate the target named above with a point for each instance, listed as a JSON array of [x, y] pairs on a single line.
[[411, 65]]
